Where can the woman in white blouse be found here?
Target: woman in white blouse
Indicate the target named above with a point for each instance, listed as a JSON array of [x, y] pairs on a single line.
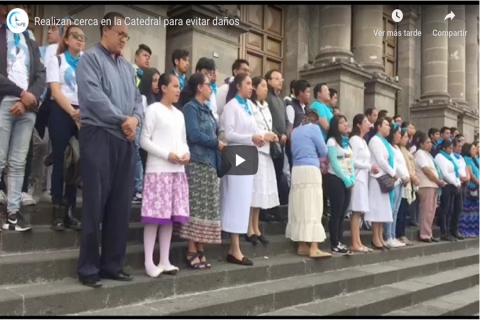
[[363, 165], [451, 175], [165, 193], [381, 204], [236, 191], [265, 192], [394, 139], [64, 122]]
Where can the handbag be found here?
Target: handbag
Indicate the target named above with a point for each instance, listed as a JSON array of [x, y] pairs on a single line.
[[386, 182], [276, 150]]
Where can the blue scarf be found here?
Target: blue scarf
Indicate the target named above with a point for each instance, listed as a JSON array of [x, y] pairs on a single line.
[[457, 156], [391, 159], [213, 86], [439, 142], [71, 60], [446, 155], [244, 104], [181, 78], [345, 142]]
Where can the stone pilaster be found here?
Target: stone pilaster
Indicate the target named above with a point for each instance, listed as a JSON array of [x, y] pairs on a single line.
[[367, 46], [381, 93], [334, 34], [211, 41], [471, 57], [456, 57], [313, 39], [406, 59], [296, 41], [434, 54]]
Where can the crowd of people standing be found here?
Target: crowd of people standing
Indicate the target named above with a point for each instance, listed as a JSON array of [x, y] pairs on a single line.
[[157, 138]]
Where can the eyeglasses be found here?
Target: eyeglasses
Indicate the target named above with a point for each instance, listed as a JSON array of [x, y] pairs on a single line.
[[77, 36], [121, 35]]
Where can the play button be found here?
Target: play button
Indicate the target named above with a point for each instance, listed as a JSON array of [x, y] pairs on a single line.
[[238, 160]]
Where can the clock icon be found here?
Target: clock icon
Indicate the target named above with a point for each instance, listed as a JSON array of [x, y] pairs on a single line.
[[397, 15]]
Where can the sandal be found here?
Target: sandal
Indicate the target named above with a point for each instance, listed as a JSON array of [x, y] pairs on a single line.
[[192, 256], [205, 263]]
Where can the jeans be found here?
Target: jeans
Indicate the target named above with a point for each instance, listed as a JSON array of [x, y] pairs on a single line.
[[138, 185], [15, 136], [390, 226]]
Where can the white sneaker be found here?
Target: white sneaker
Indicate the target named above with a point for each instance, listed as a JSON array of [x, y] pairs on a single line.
[[391, 243], [399, 244], [27, 200], [3, 198]]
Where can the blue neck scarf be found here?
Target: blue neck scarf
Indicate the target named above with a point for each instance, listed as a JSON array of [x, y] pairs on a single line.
[[16, 36], [439, 142], [457, 156], [391, 159], [243, 103], [213, 86], [181, 78], [446, 155], [345, 142], [71, 60]]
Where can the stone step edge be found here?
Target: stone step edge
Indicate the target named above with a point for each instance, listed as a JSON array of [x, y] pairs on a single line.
[[467, 306], [396, 295], [248, 300]]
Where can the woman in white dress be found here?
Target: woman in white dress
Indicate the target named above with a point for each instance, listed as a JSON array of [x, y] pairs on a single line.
[[236, 191], [363, 165], [265, 192], [380, 203]]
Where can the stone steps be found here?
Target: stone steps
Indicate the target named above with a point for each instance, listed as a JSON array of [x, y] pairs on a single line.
[[315, 280], [461, 303], [393, 296], [60, 263]]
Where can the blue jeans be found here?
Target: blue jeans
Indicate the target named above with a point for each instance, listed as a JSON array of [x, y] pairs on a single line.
[[390, 227], [138, 186], [15, 135]]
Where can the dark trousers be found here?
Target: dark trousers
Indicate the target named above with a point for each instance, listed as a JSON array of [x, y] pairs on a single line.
[[326, 211], [278, 164], [447, 208], [413, 211], [401, 224], [457, 210], [28, 170], [61, 128], [108, 171], [143, 156], [339, 196]]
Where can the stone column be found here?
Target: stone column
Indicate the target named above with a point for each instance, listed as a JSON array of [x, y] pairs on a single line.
[[313, 45], [456, 56], [406, 59], [471, 57], [434, 54], [334, 34], [367, 45]]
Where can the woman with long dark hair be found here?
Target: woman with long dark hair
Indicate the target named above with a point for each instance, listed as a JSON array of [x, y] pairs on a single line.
[[204, 184], [64, 122], [340, 180], [395, 138], [468, 225], [381, 203], [236, 191], [451, 175], [265, 193], [363, 165], [166, 197], [430, 181]]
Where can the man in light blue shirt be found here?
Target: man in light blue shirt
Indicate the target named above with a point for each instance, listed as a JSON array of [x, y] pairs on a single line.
[[322, 107]]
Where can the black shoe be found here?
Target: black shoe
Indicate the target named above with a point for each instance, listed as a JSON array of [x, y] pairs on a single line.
[[458, 236], [137, 198], [91, 282], [435, 240], [70, 221], [244, 262], [16, 222], [253, 239], [448, 238], [262, 239], [120, 276], [341, 251], [58, 217]]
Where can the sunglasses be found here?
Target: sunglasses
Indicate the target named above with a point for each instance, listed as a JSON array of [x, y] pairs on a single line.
[[77, 36]]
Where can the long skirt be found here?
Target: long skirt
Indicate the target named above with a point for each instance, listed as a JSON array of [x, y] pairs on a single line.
[[235, 200], [305, 205], [468, 224], [165, 198], [204, 223], [265, 192]]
